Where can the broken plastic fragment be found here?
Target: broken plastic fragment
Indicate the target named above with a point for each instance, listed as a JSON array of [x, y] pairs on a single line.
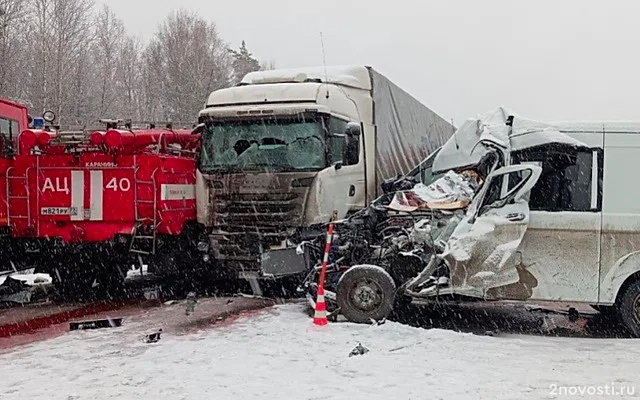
[[358, 350], [443, 281]]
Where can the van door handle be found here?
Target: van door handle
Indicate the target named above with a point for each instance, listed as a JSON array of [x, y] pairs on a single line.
[[352, 190]]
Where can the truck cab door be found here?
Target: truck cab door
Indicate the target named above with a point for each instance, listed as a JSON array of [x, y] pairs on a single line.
[[341, 187], [481, 249]]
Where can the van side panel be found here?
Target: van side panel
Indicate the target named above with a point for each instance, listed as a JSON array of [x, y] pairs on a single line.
[[560, 254], [621, 213]]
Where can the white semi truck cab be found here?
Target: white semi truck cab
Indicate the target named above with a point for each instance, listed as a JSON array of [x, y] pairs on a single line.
[[285, 150]]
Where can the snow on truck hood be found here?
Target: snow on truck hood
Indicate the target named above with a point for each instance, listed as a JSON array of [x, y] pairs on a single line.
[[462, 148]]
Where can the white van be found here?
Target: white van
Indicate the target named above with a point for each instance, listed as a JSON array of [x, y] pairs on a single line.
[[558, 219]]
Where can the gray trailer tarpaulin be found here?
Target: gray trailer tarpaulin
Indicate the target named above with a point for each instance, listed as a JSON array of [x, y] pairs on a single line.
[[407, 131]]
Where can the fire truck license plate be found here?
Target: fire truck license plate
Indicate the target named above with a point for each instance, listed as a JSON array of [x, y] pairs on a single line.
[[59, 211]]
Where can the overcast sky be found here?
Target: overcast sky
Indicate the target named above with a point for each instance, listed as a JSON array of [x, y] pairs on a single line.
[[544, 59]]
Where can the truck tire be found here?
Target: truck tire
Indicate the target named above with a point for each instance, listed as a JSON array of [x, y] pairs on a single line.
[[365, 292], [628, 306]]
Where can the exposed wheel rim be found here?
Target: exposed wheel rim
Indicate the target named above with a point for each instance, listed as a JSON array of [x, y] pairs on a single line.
[[636, 308], [366, 294]]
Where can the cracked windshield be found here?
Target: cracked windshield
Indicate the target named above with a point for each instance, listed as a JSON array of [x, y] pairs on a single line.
[[305, 200], [275, 143]]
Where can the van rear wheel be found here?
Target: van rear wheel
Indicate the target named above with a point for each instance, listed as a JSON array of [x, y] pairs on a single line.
[[629, 308]]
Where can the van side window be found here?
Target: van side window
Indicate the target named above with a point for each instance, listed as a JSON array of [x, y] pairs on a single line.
[[336, 139], [566, 179]]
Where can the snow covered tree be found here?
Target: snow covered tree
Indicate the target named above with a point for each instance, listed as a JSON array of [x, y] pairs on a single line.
[[243, 62]]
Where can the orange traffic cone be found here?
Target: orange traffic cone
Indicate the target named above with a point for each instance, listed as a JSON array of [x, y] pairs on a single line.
[[320, 315]]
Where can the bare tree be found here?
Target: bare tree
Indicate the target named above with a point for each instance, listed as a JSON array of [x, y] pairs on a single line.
[[38, 65], [130, 78], [65, 56], [189, 60], [267, 65], [151, 86], [107, 46], [61, 32], [13, 15]]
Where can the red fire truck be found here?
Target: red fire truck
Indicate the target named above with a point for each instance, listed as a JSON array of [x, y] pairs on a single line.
[[85, 206]]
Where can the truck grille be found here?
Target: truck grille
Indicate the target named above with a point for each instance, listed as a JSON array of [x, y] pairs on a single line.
[[248, 224]]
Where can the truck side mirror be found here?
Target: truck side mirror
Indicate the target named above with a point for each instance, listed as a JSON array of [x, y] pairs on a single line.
[[352, 129], [351, 154], [198, 129]]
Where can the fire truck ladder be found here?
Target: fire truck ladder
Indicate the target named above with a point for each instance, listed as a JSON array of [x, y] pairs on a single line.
[[143, 243], [11, 199]]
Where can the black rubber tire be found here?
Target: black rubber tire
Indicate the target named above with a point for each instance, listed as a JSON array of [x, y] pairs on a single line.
[[385, 288], [628, 306]]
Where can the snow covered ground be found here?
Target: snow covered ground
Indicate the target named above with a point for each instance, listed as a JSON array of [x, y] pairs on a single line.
[[278, 354]]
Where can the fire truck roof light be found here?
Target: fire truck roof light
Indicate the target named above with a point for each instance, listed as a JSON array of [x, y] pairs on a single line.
[[38, 123]]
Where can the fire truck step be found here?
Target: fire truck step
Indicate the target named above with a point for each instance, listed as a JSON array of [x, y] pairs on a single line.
[[144, 237], [145, 201], [146, 253]]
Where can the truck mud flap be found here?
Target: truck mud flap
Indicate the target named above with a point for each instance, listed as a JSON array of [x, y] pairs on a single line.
[[284, 262]]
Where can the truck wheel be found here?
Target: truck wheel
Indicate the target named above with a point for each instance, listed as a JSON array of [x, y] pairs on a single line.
[[628, 306], [365, 292]]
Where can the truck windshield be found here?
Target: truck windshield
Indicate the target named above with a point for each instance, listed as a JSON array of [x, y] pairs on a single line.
[[270, 143]]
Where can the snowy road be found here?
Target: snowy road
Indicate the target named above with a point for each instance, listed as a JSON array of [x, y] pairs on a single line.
[[278, 354]]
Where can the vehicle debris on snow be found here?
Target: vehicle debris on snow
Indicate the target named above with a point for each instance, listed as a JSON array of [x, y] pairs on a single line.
[[358, 350], [21, 287], [96, 324], [153, 337], [191, 303]]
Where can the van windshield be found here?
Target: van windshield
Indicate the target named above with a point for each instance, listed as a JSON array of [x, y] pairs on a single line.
[[265, 143]]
